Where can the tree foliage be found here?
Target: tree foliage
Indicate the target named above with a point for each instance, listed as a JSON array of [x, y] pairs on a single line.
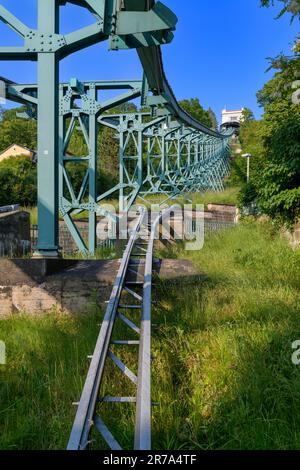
[[288, 6], [14, 130], [194, 108], [213, 118], [274, 143], [18, 181]]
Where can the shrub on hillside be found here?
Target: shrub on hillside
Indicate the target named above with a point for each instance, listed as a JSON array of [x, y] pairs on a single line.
[[18, 181]]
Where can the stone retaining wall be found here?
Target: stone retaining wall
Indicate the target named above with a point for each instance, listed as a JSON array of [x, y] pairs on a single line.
[[26, 286], [14, 233]]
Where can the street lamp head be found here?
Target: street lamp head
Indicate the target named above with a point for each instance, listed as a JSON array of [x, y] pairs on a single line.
[[247, 155]]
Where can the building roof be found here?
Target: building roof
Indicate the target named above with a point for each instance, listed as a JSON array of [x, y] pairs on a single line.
[[17, 145], [233, 110]]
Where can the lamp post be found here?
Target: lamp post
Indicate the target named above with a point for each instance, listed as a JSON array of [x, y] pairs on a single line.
[[248, 156]]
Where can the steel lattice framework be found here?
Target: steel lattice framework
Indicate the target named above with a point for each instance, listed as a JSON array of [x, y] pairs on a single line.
[[162, 151]]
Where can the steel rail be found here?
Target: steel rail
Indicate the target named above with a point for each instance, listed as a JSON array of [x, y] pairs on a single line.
[[87, 414], [79, 438], [142, 439]]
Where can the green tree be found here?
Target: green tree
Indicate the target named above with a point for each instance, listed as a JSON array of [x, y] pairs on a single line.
[[17, 130], [18, 181], [279, 189], [275, 140], [213, 118], [288, 6], [194, 108], [274, 143], [251, 140], [247, 116]]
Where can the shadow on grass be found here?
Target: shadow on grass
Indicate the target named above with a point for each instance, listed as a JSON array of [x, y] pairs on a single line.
[[224, 382]]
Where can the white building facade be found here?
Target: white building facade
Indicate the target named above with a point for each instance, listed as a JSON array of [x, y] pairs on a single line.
[[232, 116]]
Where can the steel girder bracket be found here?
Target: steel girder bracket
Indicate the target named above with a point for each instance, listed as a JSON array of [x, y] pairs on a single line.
[[136, 29]]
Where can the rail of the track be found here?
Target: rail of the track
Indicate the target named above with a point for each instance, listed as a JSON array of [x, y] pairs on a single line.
[[134, 281]]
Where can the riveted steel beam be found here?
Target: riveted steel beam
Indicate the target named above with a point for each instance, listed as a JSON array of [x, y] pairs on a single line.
[[47, 45]]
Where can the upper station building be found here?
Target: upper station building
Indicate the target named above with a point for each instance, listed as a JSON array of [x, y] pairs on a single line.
[[232, 118]]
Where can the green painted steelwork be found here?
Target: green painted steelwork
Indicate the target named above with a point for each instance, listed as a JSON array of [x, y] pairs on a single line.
[[48, 46], [163, 151]]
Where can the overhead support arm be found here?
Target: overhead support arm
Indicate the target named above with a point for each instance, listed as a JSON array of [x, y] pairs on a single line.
[[134, 29], [83, 38], [117, 101], [15, 95], [13, 22], [94, 6], [139, 22], [16, 53]]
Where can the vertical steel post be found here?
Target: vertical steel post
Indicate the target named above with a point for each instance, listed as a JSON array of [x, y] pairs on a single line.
[[163, 148], [48, 83], [121, 166], [93, 127], [61, 146], [140, 150]]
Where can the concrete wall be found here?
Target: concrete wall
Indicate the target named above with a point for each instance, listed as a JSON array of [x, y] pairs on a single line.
[[222, 212], [215, 213], [14, 233], [66, 241], [36, 287]]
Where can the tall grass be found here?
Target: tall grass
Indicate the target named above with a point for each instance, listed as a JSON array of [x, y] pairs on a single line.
[[45, 371], [222, 371], [225, 347]]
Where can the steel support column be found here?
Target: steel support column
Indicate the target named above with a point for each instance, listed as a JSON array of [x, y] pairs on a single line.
[[48, 80]]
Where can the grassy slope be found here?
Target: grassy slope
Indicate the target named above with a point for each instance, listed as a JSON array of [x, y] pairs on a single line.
[[46, 365], [227, 346], [222, 370]]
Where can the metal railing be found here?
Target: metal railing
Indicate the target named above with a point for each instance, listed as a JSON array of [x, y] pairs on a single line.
[[11, 208]]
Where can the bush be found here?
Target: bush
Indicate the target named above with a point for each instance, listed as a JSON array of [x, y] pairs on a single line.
[[18, 181], [247, 195]]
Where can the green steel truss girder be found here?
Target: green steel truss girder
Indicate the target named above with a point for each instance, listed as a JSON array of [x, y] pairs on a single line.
[[131, 129], [85, 119], [178, 159], [185, 160], [181, 155], [46, 45]]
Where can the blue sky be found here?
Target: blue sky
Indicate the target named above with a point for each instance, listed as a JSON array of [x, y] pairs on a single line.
[[219, 53]]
